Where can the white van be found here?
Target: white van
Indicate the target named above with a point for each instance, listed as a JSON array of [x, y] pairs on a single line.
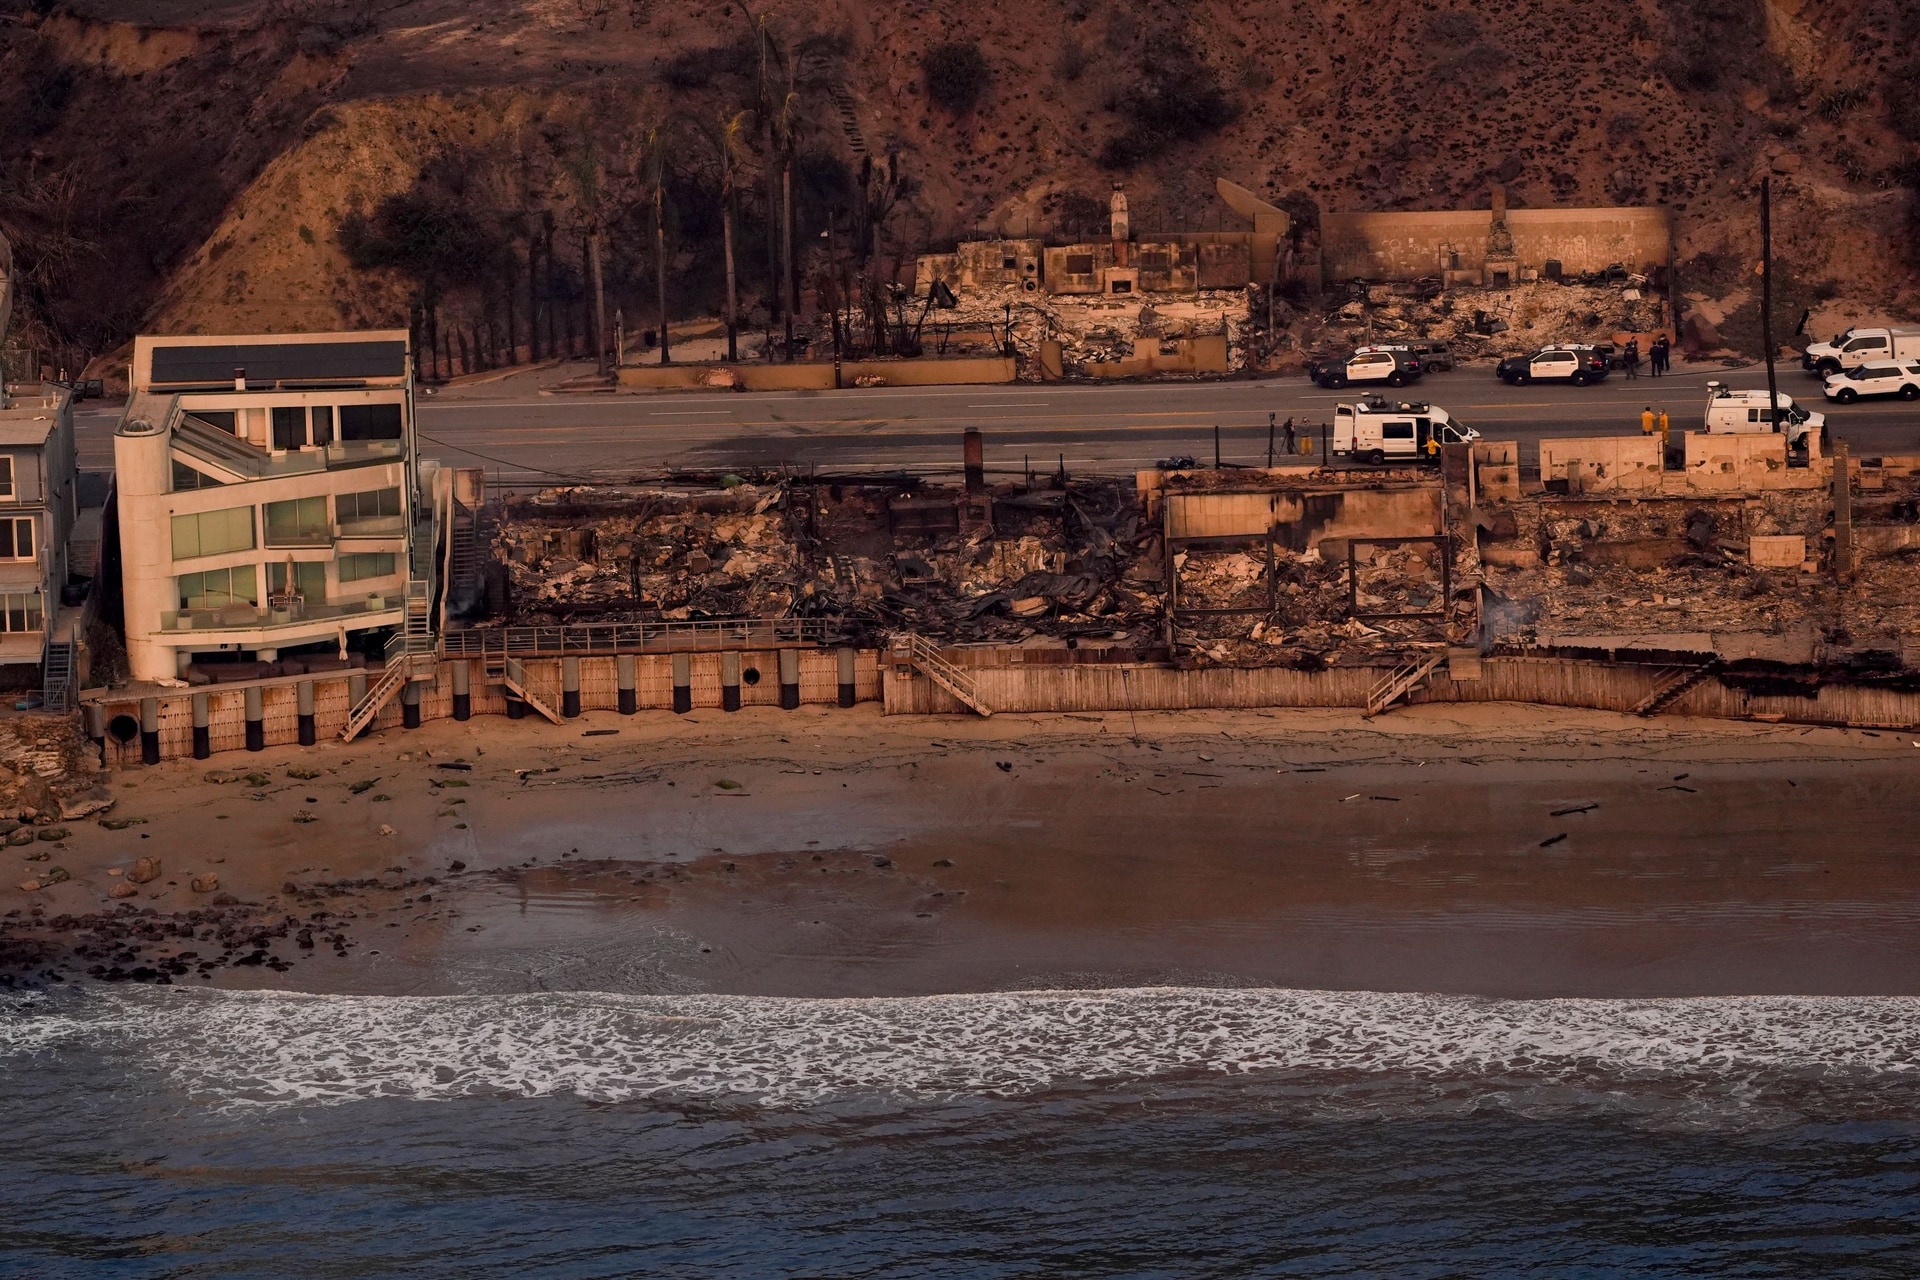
[[1378, 431], [1857, 346], [1737, 411]]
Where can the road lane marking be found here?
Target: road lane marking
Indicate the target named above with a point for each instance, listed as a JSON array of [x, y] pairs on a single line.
[[690, 413]]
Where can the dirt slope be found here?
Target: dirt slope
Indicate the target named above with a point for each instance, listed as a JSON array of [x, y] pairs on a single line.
[[189, 166]]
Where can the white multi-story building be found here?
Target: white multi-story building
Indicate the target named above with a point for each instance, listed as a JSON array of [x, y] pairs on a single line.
[[269, 500]]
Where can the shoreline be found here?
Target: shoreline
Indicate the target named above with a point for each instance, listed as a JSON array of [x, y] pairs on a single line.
[[1491, 849]]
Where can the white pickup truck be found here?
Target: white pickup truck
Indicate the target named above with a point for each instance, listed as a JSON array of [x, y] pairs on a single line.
[[1380, 431], [1857, 346], [1740, 411]]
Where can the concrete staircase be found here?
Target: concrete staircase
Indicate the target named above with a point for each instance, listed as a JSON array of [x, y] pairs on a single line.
[[1674, 684], [1400, 682], [818, 69], [924, 656]]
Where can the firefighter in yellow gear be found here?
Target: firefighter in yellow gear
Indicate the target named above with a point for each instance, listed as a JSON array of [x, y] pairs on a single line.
[[1663, 428], [1646, 421]]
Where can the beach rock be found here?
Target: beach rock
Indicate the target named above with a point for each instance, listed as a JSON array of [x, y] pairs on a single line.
[[86, 804], [20, 836], [29, 886], [385, 830], [123, 890], [53, 833], [144, 870], [37, 794], [57, 875], [206, 882]]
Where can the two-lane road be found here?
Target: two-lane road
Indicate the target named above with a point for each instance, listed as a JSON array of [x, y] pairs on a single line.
[[1108, 429]]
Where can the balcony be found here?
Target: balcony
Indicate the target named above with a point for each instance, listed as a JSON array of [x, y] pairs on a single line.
[[291, 612], [218, 449]]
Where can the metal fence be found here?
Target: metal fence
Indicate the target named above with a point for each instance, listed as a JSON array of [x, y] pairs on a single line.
[[644, 637]]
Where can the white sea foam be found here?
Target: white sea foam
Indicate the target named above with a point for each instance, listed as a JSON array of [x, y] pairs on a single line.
[[274, 1047]]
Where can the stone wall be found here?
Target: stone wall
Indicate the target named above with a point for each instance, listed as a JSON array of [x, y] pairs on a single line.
[[1412, 246]]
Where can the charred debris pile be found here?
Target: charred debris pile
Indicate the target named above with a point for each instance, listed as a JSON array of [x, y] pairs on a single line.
[[1062, 563]]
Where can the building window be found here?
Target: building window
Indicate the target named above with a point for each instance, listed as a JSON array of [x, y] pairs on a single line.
[[368, 506], [16, 538], [369, 422], [6, 476], [361, 565], [289, 427], [322, 425], [22, 612], [219, 419], [218, 588], [299, 522], [185, 478], [309, 580], [212, 533]]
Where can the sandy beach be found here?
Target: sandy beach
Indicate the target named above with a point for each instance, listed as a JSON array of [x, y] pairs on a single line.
[[1485, 850]]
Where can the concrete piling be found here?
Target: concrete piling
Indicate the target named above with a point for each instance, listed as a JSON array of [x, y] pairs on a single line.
[[730, 681], [149, 731], [462, 691], [256, 718], [410, 704], [789, 679], [683, 682], [303, 693], [845, 660], [356, 687], [569, 687], [626, 681], [202, 725]]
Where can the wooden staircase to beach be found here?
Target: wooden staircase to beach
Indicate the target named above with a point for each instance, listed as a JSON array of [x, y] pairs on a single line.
[[1674, 683], [924, 656], [537, 694], [1401, 681]]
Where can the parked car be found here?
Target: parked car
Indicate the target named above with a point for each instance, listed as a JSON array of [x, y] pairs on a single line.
[[1577, 363], [1434, 356], [1875, 378], [1394, 366]]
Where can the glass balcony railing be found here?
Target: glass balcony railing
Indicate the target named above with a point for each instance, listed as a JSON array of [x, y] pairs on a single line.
[[280, 613]]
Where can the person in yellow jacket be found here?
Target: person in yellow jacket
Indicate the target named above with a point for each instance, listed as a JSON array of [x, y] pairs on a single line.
[[1646, 421], [1663, 428]]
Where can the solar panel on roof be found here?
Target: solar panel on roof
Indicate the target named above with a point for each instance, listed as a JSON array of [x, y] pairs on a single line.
[[279, 362]]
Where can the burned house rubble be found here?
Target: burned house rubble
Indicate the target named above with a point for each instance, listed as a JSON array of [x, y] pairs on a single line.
[[1307, 568]]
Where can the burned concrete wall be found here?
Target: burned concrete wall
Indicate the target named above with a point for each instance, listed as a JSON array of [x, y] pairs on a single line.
[[1602, 464], [1452, 243], [1077, 268], [1302, 520], [992, 264]]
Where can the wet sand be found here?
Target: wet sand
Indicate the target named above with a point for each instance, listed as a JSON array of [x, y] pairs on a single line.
[[1490, 850]]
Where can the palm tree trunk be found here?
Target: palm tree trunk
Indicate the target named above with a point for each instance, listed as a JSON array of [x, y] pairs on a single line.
[[726, 236], [786, 247], [660, 268], [599, 304]]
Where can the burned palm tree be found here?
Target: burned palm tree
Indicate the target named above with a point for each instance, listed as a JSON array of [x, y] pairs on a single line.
[[651, 170], [729, 139]]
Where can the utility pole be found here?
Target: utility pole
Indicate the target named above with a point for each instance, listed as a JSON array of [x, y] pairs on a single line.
[[1766, 297], [599, 301]]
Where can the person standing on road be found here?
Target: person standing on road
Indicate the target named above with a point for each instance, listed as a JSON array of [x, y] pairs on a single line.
[[1291, 441], [1630, 358], [1662, 356], [1646, 421], [1663, 426]]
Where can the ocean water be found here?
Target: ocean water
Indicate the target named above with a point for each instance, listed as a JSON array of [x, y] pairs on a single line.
[[1151, 1132]]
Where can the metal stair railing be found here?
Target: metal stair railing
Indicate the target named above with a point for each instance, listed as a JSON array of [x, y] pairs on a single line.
[[56, 676], [1401, 681], [925, 656], [535, 694]]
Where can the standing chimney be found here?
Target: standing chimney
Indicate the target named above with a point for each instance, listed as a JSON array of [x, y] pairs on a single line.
[[1499, 202], [975, 456], [1122, 227]]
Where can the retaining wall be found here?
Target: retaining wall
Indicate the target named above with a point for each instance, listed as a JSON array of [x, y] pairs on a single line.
[[653, 687]]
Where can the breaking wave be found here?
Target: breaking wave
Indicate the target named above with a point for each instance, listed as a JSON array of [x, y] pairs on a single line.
[[279, 1048]]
